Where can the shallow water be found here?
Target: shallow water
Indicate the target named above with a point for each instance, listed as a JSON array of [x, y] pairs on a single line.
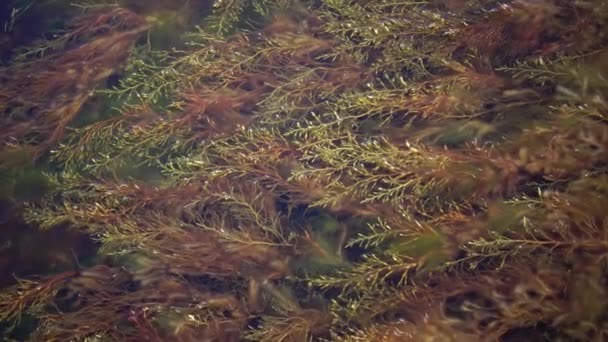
[[307, 171], [25, 251]]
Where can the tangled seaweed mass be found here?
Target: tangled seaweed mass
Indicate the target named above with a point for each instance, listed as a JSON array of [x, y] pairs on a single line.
[[331, 170]]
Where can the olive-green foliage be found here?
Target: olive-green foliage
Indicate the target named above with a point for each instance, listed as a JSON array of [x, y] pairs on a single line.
[[344, 170]]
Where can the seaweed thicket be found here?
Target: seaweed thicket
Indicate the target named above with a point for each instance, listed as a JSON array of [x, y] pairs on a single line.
[[318, 170]]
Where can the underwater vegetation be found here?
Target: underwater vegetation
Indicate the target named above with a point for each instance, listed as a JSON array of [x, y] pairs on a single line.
[[331, 170]]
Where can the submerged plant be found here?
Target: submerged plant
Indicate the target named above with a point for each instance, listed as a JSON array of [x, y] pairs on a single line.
[[324, 170]]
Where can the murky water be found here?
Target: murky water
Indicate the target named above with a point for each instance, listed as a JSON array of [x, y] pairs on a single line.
[[25, 250], [303, 170]]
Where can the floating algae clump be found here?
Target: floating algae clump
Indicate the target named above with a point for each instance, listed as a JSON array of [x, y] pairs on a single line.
[[326, 170]]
